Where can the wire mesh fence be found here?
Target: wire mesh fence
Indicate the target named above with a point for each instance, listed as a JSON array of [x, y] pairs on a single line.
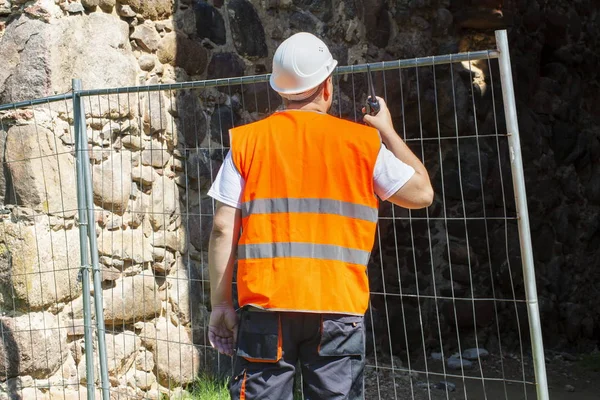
[[40, 281], [445, 281]]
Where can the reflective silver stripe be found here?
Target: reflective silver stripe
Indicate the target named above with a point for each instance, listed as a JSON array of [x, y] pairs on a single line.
[[303, 250], [319, 206]]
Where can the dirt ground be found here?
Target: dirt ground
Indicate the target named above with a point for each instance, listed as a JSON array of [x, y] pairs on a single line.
[[568, 379]]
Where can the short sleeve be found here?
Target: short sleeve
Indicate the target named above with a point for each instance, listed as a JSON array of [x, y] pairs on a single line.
[[228, 185], [390, 174]]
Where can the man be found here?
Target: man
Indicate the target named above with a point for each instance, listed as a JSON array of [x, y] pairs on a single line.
[[302, 187]]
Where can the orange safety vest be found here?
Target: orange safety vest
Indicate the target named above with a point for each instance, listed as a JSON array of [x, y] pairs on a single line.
[[309, 212]]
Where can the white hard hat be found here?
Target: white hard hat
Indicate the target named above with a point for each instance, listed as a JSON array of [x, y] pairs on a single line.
[[301, 63]]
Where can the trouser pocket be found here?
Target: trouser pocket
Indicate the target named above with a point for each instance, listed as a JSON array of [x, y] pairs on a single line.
[[259, 338], [342, 335]]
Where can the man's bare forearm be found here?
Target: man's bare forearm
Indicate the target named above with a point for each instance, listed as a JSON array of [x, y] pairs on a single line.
[[402, 152], [221, 254]]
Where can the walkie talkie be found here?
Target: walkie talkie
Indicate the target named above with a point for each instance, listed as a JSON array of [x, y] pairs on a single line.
[[372, 106]]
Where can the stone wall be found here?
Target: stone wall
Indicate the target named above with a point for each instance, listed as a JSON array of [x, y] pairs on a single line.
[[154, 154]]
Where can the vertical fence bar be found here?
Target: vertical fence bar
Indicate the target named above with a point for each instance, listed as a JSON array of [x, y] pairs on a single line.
[[89, 208], [514, 141], [81, 159]]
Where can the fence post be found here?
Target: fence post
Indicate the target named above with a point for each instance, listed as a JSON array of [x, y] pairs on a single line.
[[85, 197], [84, 275], [514, 141]]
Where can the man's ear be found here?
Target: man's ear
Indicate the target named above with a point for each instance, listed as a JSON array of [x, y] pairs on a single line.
[[328, 88]]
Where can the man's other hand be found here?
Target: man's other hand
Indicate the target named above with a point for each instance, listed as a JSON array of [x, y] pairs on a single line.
[[222, 329]]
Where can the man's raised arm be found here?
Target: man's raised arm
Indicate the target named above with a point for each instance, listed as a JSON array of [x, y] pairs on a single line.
[[417, 192]]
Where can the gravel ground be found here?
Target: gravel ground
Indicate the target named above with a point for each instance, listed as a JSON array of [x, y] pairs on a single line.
[[568, 379]]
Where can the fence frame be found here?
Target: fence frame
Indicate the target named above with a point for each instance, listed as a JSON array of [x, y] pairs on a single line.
[[87, 209], [514, 140], [88, 240], [84, 227]]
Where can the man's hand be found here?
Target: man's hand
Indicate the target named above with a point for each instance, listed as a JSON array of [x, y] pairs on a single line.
[[222, 329], [382, 121]]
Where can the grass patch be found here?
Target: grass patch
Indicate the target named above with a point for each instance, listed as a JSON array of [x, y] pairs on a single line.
[[591, 362], [207, 388]]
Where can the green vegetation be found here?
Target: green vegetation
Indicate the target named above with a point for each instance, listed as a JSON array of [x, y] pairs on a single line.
[[208, 388]]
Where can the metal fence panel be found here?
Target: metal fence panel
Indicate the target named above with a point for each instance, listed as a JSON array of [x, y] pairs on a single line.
[[41, 299], [444, 281]]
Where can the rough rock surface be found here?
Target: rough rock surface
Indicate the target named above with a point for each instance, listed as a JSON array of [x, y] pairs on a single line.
[[31, 345], [112, 183], [90, 43], [121, 351], [146, 37], [209, 23], [126, 245], [183, 52], [165, 203], [132, 299], [225, 65], [38, 266], [247, 30], [42, 173], [151, 9], [192, 119], [177, 359]]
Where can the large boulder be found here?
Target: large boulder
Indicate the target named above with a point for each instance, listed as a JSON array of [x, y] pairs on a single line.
[[154, 113], [42, 173], [182, 52], [177, 359], [121, 351], [247, 29], [90, 4], [151, 9], [167, 49], [155, 154], [24, 53], [133, 298], [5, 7], [192, 121], [209, 23], [320, 9], [165, 203], [127, 245], [112, 182], [41, 59], [191, 56], [38, 266], [222, 120], [172, 240], [31, 344], [185, 294], [225, 65], [146, 37], [259, 98]]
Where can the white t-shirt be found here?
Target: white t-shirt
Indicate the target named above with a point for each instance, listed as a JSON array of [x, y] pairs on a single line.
[[389, 175]]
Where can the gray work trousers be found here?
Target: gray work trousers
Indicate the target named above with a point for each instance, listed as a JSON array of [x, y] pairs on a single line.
[[329, 347]]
